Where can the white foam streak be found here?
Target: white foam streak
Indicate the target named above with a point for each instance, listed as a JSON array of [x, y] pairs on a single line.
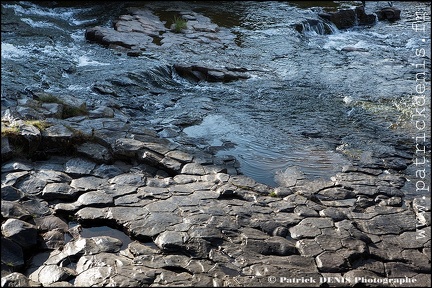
[[9, 51], [85, 61]]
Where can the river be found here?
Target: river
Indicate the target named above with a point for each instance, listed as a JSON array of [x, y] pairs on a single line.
[[311, 107]]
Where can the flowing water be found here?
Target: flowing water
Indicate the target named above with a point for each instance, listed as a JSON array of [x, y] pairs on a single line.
[[309, 104]]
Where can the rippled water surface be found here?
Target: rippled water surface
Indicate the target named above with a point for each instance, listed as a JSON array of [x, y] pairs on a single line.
[[306, 99]]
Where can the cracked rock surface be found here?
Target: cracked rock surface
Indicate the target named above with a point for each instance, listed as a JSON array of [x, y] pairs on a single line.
[[191, 222]]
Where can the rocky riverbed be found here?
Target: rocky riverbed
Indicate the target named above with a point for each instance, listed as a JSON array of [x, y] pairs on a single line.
[[190, 216], [193, 219]]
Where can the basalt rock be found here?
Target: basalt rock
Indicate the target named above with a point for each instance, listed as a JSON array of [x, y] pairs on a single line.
[[348, 18], [388, 13], [196, 73]]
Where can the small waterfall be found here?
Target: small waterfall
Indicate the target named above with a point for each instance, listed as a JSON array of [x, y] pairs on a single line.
[[316, 26]]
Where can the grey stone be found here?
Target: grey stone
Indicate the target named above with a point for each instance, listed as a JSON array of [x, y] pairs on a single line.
[[93, 213], [48, 274], [127, 147], [410, 239], [106, 244], [54, 110], [308, 247], [6, 148], [107, 171], [97, 198], [171, 164], [328, 242], [16, 279], [96, 270], [32, 185], [60, 191], [23, 233], [87, 183], [101, 112], [171, 240], [53, 239], [388, 224], [334, 213], [331, 262], [36, 207], [310, 227], [57, 131], [15, 177], [79, 166], [153, 224], [162, 183], [180, 156], [304, 211], [272, 246], [11, 254], [335, 193], [10, 209], [10, 193], [51, 176], [18, 165], [193, 169], [128, 179], [95, 151], [396, 269]]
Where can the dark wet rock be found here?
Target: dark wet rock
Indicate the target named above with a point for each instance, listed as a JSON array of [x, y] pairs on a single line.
[[6, 148], [354, 49], [51, 176], [50, 223], [36, 207], [16, 166], [196, 73], [348, 18], [32, 185], [60, 191], [79, 166], [12, 209], [272, 246], [388, 13], [53, 240], [11, 254], [9, 193], [22, 233], [107, 171], [95, 151]]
